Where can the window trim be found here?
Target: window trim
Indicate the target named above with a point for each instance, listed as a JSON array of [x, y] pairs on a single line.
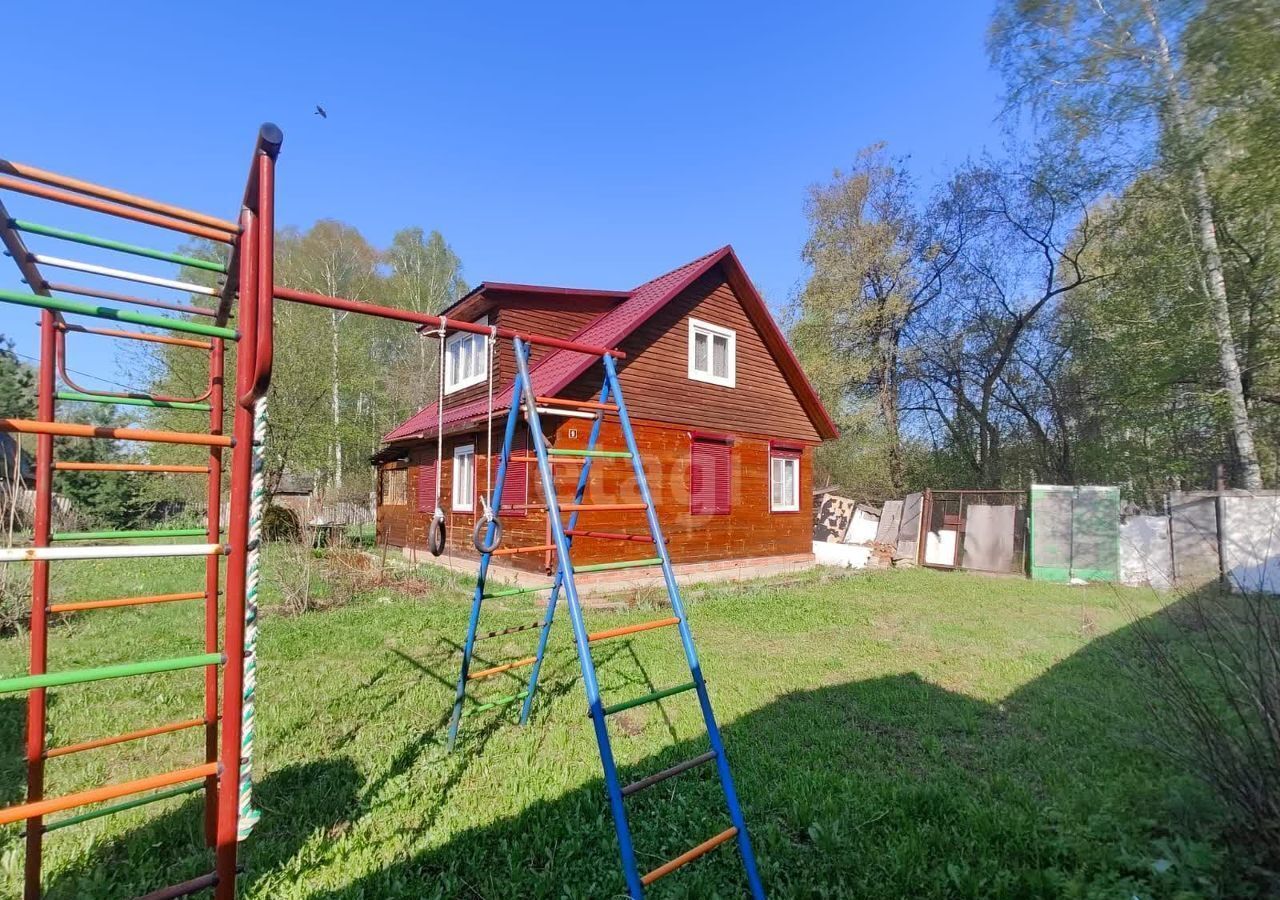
[[698, 325], [785, 456], [457, 338], [460, 451]]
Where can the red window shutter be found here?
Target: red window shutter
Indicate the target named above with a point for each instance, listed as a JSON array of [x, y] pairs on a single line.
[[427, 486], [515, 487], [709, 477]]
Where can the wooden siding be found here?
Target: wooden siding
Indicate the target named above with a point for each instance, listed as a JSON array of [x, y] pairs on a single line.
[[749, 529], [655, 374]]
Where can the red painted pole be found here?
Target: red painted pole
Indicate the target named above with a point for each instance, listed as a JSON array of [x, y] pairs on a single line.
[[404, 315], [214, 501], [233, 593], [36, 709]]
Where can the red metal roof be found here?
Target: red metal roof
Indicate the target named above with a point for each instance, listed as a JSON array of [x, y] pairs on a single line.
[[557, 370]]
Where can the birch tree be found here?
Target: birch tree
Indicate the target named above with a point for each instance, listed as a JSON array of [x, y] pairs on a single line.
[[1110, 75]]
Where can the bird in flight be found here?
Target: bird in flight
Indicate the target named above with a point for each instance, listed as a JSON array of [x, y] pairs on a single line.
[[320, 112]]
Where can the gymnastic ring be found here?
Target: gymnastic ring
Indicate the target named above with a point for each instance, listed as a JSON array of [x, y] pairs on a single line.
[[480, 529], [436, 536]]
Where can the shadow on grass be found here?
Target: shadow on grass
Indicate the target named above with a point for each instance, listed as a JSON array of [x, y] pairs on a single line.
[[887, 787], [297, 802]]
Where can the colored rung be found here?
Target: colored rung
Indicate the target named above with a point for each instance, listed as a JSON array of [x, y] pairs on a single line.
[[128, 467], [515, 630], [134, 249], [123, 738], [498, 670], [127, 804], [127, 535], [658, 777], [511, 551], [593, 454], [185, 889], [648, 698], [689, 856], [511, 592], [501, 701], [75, 307], [612, 536], [623, 564], [579, 404], [79, 397], [36, 808], [602, 507], [553, 460], [75, 429], [89, 268], [124, 601], [102, 673], [631, 629], [98, 551]]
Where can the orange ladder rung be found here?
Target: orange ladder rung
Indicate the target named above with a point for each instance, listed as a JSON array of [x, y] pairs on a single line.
[[602, 507], [124, 738], [22, 811], [630, 629], [512, 551], [124, 601], [66, 466], [689, 856], [498, 670], [580, 404]]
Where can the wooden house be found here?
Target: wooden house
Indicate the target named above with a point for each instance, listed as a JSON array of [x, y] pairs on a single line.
[[725, 419]]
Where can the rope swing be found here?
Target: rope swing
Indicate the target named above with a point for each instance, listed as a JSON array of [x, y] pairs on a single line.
[[481, 531], [435, 531]]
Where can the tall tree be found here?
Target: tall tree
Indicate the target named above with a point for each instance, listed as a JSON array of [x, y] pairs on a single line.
[[1112, 75], [332, 258], [982, 361], [876, 262]]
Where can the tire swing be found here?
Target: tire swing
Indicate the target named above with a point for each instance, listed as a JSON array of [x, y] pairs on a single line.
[[489, 517], [435, 531]]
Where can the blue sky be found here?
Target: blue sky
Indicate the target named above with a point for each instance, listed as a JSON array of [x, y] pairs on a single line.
[[582, 144]]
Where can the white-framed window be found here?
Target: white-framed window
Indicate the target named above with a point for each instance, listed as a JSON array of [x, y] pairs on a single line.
[[784, 481], [712, 353], [464, 478], [466, 359]]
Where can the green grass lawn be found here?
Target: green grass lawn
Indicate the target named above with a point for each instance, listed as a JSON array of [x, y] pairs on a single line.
[[896, 734]]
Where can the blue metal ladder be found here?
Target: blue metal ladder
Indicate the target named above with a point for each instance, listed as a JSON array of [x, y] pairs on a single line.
[[610, 400]]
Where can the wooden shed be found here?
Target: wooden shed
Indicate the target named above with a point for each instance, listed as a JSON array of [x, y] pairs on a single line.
[[724, 416]]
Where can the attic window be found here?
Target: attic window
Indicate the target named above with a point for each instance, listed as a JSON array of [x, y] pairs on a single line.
[[712, 353], [466, 359]]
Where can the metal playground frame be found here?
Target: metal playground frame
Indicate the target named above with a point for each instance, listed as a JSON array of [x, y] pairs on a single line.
[[245, 295]]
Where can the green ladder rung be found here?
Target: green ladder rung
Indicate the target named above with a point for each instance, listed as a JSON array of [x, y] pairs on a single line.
[[102, 673], [76, 308], [594, 454], [625, 564], [126, 535], [91, 241], [648, 698], [80, 397], [501, 701], [127, 804], [511, 592]]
